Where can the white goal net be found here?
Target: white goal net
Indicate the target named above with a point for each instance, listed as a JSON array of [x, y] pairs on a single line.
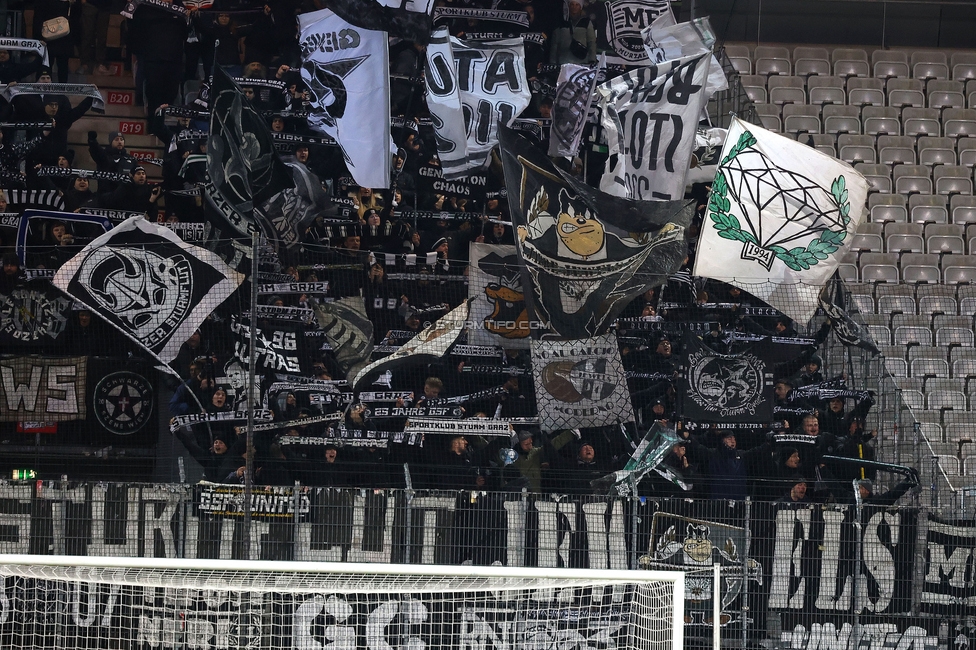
[[81, 603]]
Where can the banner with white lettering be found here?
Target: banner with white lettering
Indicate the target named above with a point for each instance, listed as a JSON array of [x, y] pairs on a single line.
[[580, 383], [347, 73], [472, 87], [650, 115], [33, 314], [280, 348], [619, 25], [43, 389]]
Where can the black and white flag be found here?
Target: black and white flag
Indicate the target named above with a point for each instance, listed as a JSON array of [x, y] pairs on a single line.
[[278, 348], [716, 387], [348, 330], [347, 71], [26, 45], [571, 105], [833, 297], [586, 254], [32, 314], [619, 25], [498, 312], [650, 115], [247, 179], [148, 283], [430, 344], [472, 88], [580, 383]]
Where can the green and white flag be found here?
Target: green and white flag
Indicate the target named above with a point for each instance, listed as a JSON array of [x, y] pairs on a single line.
[[780, 217]]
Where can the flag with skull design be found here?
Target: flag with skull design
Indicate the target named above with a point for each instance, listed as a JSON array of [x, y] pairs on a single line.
[[148, 283], [347, 72], [586, 254]]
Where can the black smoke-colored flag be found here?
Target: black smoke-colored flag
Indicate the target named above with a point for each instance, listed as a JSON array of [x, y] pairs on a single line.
[[411, 22], [148, 283], [833, 297], [247, 178], [587, 253], [349, 331], [716, 387]]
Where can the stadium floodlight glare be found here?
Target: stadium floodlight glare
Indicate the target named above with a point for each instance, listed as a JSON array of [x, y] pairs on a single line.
[[87, 602]]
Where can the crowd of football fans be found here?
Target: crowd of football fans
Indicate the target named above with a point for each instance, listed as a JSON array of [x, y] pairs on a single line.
[[409, 269]]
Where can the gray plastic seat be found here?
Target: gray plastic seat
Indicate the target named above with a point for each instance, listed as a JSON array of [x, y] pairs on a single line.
[[905, 92], [826, 90], [936, 151], [929, 65], [839, 119], [896, 149], [953, 179], [801, 119], [850, 62], [928, 208], [945, 94], [928, 368], [771, 116], [946, 336], [936, 304], [966, 148], [856, 148], [920, 267], [878, 175], [912, 179], [880, 120], [945, 238], [782, 89], [962, 209], [959, 269], [825, 143], [959, 122], [740, 57], [963, 66], [890, 63], [755, 87], [887, 208], [866, 91], [772, 60], [809, 61], [921, 121]]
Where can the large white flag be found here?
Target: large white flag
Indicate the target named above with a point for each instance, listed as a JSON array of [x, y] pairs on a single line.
[[472, 86], [780, 216], [347, 71], [650, 116]]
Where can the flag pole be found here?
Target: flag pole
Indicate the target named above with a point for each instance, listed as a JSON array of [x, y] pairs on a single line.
[[251, 372]]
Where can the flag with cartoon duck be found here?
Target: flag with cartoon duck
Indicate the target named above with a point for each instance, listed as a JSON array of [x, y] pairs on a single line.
[[584, 253]]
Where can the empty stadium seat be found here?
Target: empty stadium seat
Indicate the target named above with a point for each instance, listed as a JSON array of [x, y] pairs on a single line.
[[811, 61], [801, 118], [945, 94], [936, 151], [946, 399], [856, 148], [953, 179], [964, 368], [826, 90], [963, 66], [928, 368], [966, 148], [890, 208], [824, 143], [946, 336], [849, 62], [936, 304], [902, 242], [927, 208], [963, 209], [890, 63], [896, 149], [880, 120], [862, 298], [929, 65], [945, 238], [879, 267], [740, 57], [959, 122], [921, 121], [912, 179], [866, 91], [944, 383], [896, 305], [786, 90], [920, 267], [772, 60], [770, 116], [959, 269], [878, 175], [755, 87], [867, 243], [905, 92]]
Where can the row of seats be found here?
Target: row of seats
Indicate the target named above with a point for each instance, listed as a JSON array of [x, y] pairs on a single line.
[[918, 368], [895, 149], [858, 91], [836, 119], [917, 208], [851, 62], [908, 267], [918, 179], [932, 300], [921, 333], [935, 238]]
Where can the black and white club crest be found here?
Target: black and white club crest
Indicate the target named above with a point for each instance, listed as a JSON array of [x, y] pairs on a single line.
[[726, 385], [123, 402]]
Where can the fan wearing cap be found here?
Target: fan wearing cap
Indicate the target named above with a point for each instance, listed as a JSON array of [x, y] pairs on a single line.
[[797, 494], [572, 472], [726, 466], [112, 158]]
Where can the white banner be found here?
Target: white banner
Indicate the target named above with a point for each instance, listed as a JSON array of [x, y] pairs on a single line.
[[484, 81], [650, 115], [347, 71], [780, 217]]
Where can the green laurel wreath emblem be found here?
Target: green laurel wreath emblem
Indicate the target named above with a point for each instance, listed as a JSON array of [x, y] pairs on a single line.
[[799, 258]]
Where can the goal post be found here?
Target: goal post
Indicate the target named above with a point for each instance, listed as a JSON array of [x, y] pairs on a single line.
[[141, 603]]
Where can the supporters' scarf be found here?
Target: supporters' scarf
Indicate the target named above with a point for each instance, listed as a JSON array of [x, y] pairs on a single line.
[[117, 216], [26, 45], [67, 172], [487, 393], [150, 160], [191, 134], [180, 421], [271, 426], [517, 17], [514, 371], [341, 437], [130, 7], [294, 138], [75, 90], [274, 84], [25, 125]]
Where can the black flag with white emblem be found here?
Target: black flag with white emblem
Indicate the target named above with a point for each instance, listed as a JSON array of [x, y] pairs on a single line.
[[587, 253], [833, 297], [148, 283]]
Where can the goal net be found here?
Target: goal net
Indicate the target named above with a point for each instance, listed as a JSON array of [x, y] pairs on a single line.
[[147, 603]]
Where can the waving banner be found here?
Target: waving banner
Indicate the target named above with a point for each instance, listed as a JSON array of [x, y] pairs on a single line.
[[571, 105], [498, 312], [651, 115], [472, 87], [619, 25], [347, 71], [32, 314], [585, 254], [43, 389], [148, 283], [780, 217]]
